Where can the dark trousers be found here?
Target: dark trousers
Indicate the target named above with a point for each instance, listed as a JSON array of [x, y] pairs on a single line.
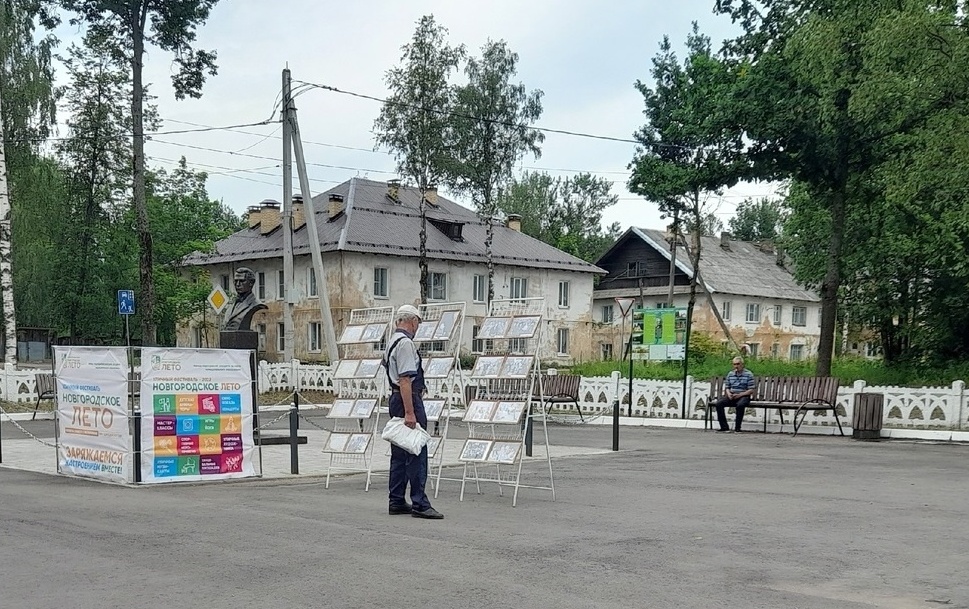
[[740, 404], [408, 468]]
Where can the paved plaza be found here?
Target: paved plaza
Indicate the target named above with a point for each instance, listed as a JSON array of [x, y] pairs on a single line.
[[678, 518]]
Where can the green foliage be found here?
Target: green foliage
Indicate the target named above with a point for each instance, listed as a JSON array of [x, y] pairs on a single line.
[[760, 220], [848, 370], [565, 213]]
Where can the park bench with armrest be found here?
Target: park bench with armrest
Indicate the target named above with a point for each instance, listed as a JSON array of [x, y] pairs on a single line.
[[558, 389], [45, 387], [798, 393]]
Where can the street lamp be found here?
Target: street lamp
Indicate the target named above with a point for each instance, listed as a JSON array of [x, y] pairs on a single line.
[[625, 306]]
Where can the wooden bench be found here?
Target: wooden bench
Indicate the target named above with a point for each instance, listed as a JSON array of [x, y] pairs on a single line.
[[798, 393], [558, 389], [44, 385]]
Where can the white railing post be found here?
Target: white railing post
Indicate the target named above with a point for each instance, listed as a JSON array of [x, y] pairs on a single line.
[[294, 374], [959, 387]]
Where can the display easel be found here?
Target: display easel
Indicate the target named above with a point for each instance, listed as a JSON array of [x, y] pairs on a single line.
[[358, 380], [503, 411], [438, 339]]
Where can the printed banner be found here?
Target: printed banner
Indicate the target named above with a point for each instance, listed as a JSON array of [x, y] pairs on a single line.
[[196, 415], [92, 412]]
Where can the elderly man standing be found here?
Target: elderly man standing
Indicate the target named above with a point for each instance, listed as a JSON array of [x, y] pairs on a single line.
[[737, 391], [406, 376]]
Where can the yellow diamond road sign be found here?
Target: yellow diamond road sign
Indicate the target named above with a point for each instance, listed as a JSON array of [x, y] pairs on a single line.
[[218, 299]]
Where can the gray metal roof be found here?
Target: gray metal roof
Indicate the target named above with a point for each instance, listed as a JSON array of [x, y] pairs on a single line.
[[374, 223], [740, 268]]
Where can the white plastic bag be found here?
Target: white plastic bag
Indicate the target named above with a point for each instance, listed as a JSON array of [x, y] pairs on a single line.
[[411, 440]]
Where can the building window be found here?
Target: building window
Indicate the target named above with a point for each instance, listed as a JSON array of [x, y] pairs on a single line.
[[380, 289], [775, 350], [480, 290], [519, 287], [280, 337], [437, 286], [754, 349], [313, 290], [634, 269], [261, 286], [564, 293], [562, 341], [753, 313], [799, 316], [725, 310], [517, 345], [225, 283], [381, 346], [797, 352], [199, 337], [261, 331], [608, 314], [606, 350], [280, 285], [315, 336], [778, 309], [480, 345], [436, 346]]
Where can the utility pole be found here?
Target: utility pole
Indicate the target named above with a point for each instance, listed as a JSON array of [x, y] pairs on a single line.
[[675, 232], [6, 272], [290, 300], [309, 210]]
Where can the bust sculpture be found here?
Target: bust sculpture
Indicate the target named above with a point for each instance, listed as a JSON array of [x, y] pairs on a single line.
[[246, 304]]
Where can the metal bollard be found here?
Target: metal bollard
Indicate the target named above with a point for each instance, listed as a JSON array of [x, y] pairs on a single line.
[[293, 439]]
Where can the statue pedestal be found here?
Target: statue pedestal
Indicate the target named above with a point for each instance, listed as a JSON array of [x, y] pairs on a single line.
[[241, 339]]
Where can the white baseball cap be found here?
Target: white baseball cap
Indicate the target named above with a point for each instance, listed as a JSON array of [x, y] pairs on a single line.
[[408, 310]]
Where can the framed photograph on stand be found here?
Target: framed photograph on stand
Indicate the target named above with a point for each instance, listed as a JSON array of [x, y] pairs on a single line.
[[493, 327], [504, 452], [346, 369], [508, 412], [336, 442], [363, 408], [358, 443], [523, 327], [351, 334], [432, 445], [367, 369], [425, 331], [433, 409], [475, 450], [517, 366], [341, 408], [373, 333], [438, 367], [487, 366], [479, 411], [445, 326]]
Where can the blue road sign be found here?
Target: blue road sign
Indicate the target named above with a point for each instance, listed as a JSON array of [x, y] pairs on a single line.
[[126, 302]]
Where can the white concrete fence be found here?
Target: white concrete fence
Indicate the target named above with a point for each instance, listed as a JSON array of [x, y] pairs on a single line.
[[924, 408]]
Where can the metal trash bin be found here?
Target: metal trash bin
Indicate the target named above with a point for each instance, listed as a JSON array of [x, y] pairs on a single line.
[[866, 421]]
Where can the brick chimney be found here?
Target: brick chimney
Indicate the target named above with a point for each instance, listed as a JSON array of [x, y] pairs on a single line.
[[430, 195], [335, 206], [725, 240], [299, 217], [393, 190], [514, 222], [266, 216]]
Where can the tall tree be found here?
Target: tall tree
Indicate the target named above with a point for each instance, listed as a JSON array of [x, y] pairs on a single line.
[[26, 112], [128, 28], [823, 97], [492, 119], [415, 120], [759, 220], [685, 152]]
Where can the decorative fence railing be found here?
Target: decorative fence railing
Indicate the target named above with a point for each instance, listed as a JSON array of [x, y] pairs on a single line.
[[927, 408]]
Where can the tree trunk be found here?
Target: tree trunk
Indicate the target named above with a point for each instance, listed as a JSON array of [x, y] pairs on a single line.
[[145, 262], [831, 284], [6, 272]]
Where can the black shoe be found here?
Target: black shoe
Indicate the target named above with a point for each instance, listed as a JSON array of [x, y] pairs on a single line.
[[723, 430], [398, 510], [429, 513]]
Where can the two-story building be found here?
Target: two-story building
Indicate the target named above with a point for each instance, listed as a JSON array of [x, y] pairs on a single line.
[[764, 309], [368, 233]]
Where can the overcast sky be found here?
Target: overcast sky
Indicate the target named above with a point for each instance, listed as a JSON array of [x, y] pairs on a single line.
[[585, 55]]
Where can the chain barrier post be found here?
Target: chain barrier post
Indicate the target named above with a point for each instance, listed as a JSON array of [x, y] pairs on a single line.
[[294, 437]]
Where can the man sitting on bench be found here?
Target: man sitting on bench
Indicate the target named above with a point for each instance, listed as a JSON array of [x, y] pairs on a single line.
[[738, 388]]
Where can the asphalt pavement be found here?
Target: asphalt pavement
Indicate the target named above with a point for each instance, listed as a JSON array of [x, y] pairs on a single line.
[[678, 518]]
